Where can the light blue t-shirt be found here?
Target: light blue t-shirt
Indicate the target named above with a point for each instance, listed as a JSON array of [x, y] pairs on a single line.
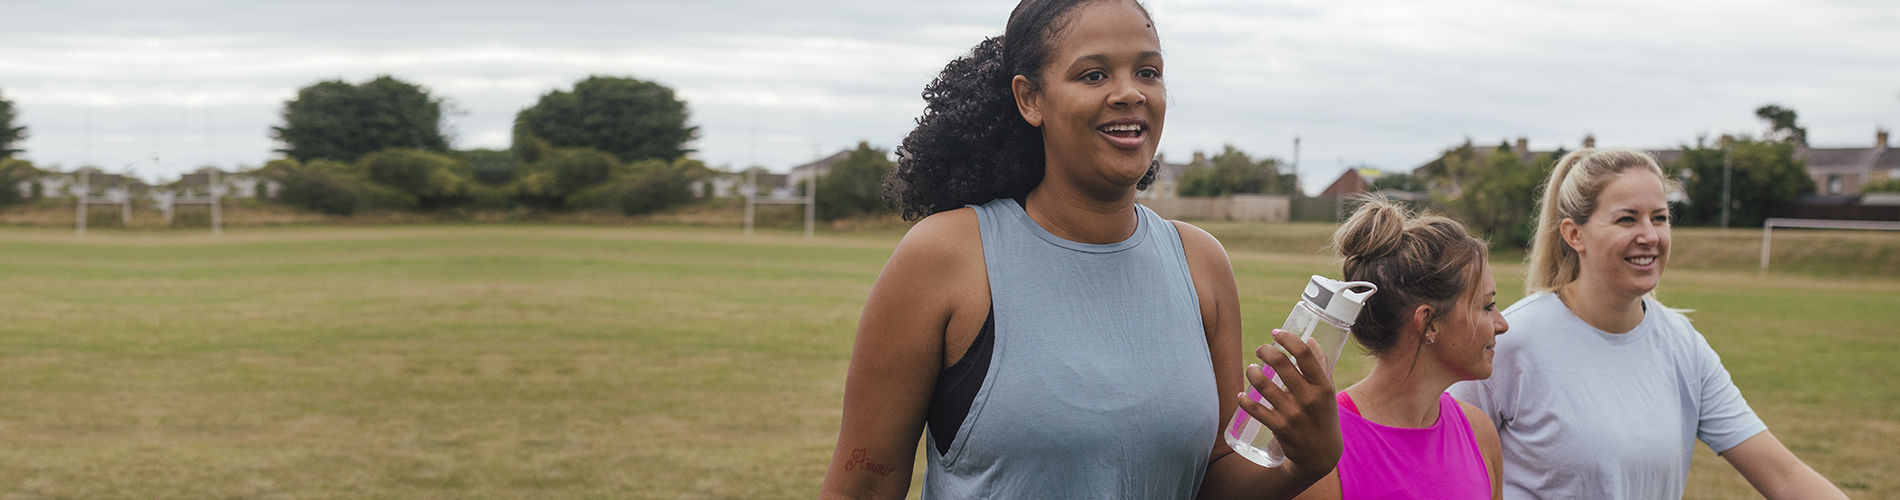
[[1583, 413]]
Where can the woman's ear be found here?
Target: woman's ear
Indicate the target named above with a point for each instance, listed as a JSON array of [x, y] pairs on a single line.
[[1572, 234], [1422, 316], [1028, 101]]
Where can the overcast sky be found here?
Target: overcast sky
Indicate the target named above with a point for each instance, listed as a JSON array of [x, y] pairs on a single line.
[[1386, 84]]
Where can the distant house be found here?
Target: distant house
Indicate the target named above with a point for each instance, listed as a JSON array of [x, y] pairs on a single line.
[[1354, 181], [1844, 171], [99, 183], [235, 184], [1451, 187], [1168, 177], [804, 173], [1836, 171]]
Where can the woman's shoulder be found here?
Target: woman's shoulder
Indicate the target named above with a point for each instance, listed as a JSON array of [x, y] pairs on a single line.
[[1198, 243], [943, 234], [1539, 309], [1533, 304]]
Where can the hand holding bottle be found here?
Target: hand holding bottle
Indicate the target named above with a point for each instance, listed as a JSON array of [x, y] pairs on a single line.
[[1304, 417]]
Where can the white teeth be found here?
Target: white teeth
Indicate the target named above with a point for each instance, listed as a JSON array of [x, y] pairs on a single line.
[[1642, 261], [1122, 128]]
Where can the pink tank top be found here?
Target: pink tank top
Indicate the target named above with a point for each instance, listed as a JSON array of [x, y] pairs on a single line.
[[1441, 461]]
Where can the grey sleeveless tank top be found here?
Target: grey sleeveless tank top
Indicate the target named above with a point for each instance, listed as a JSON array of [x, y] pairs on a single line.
[[1099, 384]]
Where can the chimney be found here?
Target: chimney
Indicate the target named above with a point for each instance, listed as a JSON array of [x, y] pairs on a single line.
[[1199, 159], [1523, 146], [1589, 140], [1880, 138]]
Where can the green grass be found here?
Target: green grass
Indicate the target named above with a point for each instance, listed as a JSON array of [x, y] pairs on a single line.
[[500, 361]]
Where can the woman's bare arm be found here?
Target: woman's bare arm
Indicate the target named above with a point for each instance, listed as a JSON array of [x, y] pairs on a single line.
[[1776, 472], [1304, 415], [934, 283], [1486, 433]]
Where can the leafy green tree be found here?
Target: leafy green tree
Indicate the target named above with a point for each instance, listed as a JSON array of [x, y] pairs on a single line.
[[1501, 199], [1890, 186], [491, 167], [340, 121], [1398, 182], [561, 173], [643, 187], [1781, 124], [855, 184], [1762, 173], [436, 180], [661, 186], [631, 119], [332, 187], [10, 134], [1494, 194], [1233, 172], [12, 172]]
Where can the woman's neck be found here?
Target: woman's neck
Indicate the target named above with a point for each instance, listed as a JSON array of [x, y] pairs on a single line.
[[1602, 308], [1402, 390], [1075, 216]]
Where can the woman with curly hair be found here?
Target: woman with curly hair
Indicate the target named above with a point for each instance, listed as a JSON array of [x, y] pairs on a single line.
[[1055, 339]]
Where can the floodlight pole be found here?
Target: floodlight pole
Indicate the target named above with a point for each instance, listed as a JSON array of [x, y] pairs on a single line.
[[79, 214], [1726, 166], [217, 205], [750, 189], [811, 202]]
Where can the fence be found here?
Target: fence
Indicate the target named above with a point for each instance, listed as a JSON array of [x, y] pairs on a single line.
[[1239, 207], [1833, 212]]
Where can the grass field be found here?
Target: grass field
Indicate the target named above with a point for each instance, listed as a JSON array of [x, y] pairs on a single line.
[[502, 361]]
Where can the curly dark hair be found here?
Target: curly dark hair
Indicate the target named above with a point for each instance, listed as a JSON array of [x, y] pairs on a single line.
[[972, 144]]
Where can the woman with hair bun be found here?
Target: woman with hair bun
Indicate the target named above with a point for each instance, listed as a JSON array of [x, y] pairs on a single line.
[[1045, 335], [1606, 391], [1431, 324]]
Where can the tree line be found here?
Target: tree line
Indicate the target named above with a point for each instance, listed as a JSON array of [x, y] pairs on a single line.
[[609, 143], [1496, 193], [621, 144]]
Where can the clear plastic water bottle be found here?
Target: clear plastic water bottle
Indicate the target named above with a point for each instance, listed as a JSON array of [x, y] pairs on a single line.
[[1326, 311]]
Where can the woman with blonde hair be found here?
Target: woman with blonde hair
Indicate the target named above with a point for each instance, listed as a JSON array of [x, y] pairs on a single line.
[[1604, 391]]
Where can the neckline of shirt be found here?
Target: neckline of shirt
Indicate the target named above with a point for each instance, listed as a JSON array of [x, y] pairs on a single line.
[[1650, 311], [1133, 240]]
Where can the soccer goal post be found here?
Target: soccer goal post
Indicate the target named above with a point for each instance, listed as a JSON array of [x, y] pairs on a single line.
[[1768, 230]]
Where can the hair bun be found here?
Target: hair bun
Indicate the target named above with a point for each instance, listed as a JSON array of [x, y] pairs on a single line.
[[1376, 229]]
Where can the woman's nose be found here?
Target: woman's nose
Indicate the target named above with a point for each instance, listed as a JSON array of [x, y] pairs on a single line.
[[1127, 96]]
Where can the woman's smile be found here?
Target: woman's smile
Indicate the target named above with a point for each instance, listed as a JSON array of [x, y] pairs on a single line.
[[1126, 133]]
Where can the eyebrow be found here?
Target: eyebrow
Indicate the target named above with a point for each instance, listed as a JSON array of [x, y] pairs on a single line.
[[1103, 58]]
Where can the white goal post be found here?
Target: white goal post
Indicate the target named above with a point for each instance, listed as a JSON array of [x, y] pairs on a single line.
[[1768, 230], [810, 201]]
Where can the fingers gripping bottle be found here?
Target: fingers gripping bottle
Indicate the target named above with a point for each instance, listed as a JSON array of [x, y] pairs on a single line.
[[1326, 311]]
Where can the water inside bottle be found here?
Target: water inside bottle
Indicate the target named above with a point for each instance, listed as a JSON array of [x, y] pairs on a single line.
[[1246, 435]]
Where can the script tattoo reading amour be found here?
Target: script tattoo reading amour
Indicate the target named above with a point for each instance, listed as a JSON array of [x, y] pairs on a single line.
[[858, 461]]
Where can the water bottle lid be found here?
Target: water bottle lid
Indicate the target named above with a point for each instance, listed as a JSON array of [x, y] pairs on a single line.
[[1336, 298]]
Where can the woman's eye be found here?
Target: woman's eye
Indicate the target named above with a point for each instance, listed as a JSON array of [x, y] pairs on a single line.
[[1149, 73], [1094, 76], [1626, 220]]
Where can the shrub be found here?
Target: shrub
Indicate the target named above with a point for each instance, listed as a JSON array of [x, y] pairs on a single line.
[[436, 180]]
